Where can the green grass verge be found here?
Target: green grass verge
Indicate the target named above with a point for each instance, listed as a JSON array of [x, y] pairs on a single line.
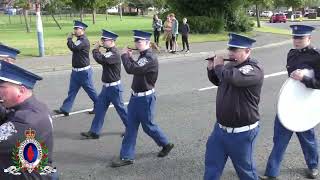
[[272, 30], [14, 34]]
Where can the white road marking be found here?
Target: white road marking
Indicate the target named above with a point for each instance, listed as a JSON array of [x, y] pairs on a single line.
[[207, 88], [265, 76], [202, 89], [81, 111], [276, 74]]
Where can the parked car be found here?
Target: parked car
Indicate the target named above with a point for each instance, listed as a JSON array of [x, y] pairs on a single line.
[[10, 11], [306, 13], [279, 17], [266, 14], [297, 14]]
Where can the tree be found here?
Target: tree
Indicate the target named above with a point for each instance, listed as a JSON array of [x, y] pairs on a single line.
[[95, 4], [140, 4], [109, 4], [228, 12], [80, 5], [312, 3], [258, 4], [279, 3], [294, 3], [159, 4], [52, 6], [25, 5]]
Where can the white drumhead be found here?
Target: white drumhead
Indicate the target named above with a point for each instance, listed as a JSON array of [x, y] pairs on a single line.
[[298, 106]]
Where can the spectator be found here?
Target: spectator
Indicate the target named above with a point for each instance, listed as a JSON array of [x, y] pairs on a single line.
[[174, 31], [185, 33], [156, 25], [167, 33]]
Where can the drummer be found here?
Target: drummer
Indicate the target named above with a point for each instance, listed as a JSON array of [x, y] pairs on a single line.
[[303, 56]]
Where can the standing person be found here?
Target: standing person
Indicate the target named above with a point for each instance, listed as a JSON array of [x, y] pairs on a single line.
[[27, 128], [167, 36], [141, 108], [7, 54], [239, 86], [112, 89], [185, 30], [156, 25], [82, 72], [174, 32], [302, 56]]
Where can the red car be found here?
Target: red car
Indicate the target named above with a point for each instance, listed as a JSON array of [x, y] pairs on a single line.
[[278, 18]]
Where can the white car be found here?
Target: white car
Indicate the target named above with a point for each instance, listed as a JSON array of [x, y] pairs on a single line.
[[266, 14]]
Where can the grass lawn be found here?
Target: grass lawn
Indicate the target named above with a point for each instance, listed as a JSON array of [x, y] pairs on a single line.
[[272, 30], [55, 39], [15, 34]]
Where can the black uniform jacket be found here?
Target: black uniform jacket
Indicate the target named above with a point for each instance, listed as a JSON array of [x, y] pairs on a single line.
[[238, 96], [80, 51], [111, 64], [29, 114], [144, 70], [306, 58]]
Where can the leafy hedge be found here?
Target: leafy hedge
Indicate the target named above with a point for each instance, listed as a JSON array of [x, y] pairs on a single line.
[[203, 24], [239, 22], [199, 24]]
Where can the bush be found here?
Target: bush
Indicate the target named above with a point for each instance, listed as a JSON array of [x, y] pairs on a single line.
[[199, 24], [203, 24], [239, 22]]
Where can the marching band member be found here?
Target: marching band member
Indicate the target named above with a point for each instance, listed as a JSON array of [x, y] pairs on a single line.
[[303, 56]]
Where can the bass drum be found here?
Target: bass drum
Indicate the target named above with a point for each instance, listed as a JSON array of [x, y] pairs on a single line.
[[298, 106]]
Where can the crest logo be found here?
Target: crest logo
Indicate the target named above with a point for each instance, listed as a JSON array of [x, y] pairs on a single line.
[[142, 61], [246, 69], [30, 155], [107, 54]]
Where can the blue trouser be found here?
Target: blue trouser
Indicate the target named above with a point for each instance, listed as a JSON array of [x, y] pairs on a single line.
[[238, 146], [112, 94], [141, 110], [281, 139], [77, 80]]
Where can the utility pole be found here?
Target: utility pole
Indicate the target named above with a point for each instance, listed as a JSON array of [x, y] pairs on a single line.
[[39, 29]]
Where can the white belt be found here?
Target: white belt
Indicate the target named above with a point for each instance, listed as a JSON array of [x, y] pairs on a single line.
[[239, 129], [81, 69], [112, 84], [146, 93]]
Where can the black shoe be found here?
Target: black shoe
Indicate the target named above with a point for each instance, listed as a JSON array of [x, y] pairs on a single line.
[[89, 135], [58, 111], [262, 177], [91, 112], [165, 150], [313, 173], [121, 162]]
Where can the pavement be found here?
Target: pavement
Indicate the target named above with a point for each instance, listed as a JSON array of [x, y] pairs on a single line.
[[185, 111]]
